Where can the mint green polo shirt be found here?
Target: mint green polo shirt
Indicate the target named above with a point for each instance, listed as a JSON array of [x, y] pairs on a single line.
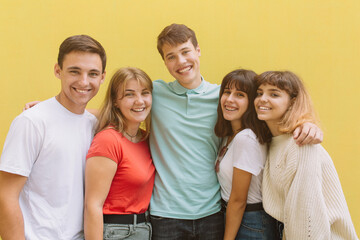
[[184, 148]]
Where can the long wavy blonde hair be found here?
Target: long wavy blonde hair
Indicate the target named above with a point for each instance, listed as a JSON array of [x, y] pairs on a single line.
[[301, 110], [110, 115]]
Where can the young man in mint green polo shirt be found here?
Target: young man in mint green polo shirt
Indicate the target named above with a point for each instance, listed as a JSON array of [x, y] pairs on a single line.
[[186, 197]]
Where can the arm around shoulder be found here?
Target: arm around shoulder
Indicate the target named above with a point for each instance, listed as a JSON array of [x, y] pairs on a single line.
[[308, 133]]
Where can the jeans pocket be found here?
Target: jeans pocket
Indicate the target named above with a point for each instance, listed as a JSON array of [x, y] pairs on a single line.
[[116, 231], [152, 217], [253, 221]]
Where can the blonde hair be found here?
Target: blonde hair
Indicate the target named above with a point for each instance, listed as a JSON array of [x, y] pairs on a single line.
[[301, 109], [110, 115]]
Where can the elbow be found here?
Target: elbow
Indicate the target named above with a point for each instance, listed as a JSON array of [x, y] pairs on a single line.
[[237, 204]]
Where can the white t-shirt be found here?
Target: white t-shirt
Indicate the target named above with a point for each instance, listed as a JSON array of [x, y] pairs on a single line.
[[48, 145], [245, 153]]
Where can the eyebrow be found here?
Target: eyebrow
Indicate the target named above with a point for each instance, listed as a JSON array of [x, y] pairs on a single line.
[[274, 90], [77, 68], [132, 90]]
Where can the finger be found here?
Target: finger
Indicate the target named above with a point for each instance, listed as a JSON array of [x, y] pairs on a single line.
[[303, 134], [309, 139], [318, 137], [296, 132], [26, 107]]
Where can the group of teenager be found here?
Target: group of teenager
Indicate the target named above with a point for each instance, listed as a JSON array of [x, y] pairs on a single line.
[[169, 160]]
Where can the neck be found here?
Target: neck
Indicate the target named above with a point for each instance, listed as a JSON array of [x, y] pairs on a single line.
[[74, 108], [133, 133], [236, 126], [274, 128], [132, 130]]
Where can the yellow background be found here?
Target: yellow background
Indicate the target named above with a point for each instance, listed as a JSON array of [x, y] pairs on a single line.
[[318, 40]]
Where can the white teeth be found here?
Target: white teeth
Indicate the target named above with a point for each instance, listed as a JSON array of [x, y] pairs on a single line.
[[230, 108], [81, 91], [264, 108], [185, 69], [138, 109]]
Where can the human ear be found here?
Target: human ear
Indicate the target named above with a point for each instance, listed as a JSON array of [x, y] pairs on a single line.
[[57, 70]]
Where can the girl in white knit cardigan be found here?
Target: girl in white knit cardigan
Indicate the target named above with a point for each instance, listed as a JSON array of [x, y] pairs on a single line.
[[301, 187]]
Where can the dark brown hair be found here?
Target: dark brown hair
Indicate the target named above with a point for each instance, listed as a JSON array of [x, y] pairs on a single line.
[[242, 80], [81, 43], [175, 34]]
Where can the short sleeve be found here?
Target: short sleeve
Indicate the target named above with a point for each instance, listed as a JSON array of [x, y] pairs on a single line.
[[106, 144], [248, 154], [22, 147]]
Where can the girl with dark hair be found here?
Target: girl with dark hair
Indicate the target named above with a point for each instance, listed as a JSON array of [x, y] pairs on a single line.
[[241, 159]]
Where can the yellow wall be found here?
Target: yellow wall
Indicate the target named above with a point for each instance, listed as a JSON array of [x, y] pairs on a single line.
[[319, 40]]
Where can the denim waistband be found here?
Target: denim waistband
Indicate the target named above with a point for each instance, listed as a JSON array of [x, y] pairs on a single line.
[[249, 207]]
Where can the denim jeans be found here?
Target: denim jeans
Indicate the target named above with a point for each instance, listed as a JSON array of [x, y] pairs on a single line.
[[206, 228], [139, 231], [257, 225]]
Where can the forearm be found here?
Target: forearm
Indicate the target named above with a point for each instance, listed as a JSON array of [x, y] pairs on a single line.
[[11, 221], [93, 223], [234, 214]]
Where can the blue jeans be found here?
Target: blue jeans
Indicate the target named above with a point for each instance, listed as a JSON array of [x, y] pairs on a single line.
[[257, 225], [139, 231], [206, 228]]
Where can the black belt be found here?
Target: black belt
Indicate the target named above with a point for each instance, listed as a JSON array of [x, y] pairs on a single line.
[[254, 207], [124, 218], [250, 207]]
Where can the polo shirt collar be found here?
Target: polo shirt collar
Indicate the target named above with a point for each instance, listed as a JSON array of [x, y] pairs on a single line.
[[178, 89]]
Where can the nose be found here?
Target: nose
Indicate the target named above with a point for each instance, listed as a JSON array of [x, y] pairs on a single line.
[[263, 98], [230, 98], [84, 80], [139, 100], [181, 59]]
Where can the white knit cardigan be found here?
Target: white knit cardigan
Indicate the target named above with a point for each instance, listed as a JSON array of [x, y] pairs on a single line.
[[301, 188]]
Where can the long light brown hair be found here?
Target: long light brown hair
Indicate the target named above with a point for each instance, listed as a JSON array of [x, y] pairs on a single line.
[[110, 115], [301, 110]]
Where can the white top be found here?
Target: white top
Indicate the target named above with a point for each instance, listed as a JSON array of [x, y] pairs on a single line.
[[245, 153], [48, 144], [301, 188]]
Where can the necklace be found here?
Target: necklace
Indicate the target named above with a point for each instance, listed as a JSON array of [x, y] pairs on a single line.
[[224, 149], [132, 136]]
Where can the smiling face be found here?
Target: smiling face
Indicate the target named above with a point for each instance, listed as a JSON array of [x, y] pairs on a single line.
[[183, 63], [271, 104], [134, 103], [234, 104], [81, 76]]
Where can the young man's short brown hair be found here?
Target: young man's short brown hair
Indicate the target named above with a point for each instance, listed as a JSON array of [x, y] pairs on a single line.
[[81, 43], [175, 34]]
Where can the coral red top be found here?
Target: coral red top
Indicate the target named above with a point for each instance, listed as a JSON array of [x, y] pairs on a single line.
[[132, 185]]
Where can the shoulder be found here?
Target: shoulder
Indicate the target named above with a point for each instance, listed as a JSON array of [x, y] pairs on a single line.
[[108, 136], [159, 84], [211, 87], [245, 141], [35, 116], [39, 109], [90, 117], [246, 136]]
